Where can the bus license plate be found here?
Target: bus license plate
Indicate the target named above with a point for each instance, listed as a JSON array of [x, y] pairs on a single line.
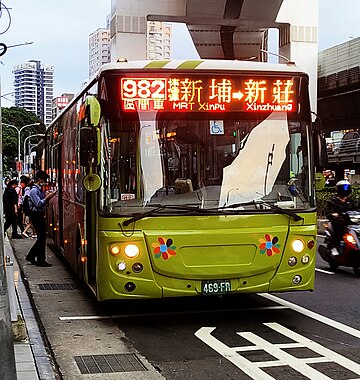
[[215, 287]]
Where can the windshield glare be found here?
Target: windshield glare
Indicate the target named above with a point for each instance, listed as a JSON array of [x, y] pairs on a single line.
[[206, 162]]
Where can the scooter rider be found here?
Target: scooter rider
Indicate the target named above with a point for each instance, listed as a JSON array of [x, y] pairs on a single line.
[[335, 209]]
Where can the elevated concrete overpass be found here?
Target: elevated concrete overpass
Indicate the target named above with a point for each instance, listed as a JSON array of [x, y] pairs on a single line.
[[339, 86], [339, 100], [339, 110], [338, 103], [224, 29]]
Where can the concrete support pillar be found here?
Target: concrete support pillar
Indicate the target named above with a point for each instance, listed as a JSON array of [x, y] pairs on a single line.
[[128, 23], [298, 39]]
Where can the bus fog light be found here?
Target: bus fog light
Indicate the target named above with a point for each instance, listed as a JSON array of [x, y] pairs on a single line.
[[130, 287], [292, 261], [305, 259], [298, 246], [132, 251], [114, 250], [137, 267], [296, 279], [121, 266]]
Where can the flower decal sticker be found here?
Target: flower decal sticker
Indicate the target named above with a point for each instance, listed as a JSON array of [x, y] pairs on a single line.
[[269, 245], [164, 248]]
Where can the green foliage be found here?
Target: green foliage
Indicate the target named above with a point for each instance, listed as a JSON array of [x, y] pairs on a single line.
[[326, 193], [322, 196], [17, 117]]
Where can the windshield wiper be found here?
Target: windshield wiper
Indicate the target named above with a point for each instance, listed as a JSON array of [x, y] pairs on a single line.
[[159, 208], [197, 209], [280, 210]]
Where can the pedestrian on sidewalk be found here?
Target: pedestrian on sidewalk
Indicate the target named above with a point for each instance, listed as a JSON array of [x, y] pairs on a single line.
[[26, 210], [20, 191], [10, 202], [37, 203]]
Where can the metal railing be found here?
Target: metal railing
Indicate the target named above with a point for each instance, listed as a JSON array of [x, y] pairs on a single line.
[[345, 78], [343, 146]]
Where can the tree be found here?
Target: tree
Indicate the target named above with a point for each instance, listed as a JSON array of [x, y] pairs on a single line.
[[18, 117]]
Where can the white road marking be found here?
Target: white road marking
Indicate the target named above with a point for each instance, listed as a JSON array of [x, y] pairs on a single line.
[[283, 358], [147, 315], [318, 317], [230, 354], [324, 271], [331, 355]]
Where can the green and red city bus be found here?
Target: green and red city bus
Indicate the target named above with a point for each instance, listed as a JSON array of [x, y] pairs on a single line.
[[185, 178]]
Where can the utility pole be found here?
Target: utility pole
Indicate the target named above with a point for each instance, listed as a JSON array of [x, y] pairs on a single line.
[[7, 356]]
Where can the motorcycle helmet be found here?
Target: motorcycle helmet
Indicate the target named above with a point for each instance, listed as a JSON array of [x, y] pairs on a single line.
[[343, 188]]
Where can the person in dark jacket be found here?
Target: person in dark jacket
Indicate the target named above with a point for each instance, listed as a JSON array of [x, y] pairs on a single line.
[[336, 208], [37, 203], [10, 202]]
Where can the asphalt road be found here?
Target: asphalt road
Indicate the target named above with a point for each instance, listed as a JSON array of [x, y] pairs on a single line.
[[312, 335]]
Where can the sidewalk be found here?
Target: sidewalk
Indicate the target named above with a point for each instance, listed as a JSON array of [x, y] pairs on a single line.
[[81, 337], [31, 358]]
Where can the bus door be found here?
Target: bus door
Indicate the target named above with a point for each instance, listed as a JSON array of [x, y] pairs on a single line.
[[91, 222]]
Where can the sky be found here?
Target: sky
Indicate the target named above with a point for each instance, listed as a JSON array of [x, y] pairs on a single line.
[[60, 30]]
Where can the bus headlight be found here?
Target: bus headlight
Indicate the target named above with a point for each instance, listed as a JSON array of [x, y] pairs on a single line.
[[132, 251], [298, 246]]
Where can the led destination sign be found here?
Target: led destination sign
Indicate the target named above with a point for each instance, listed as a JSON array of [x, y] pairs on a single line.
[[208, 94]]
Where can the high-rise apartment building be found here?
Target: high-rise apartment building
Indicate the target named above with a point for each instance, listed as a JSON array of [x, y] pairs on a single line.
[[158, 40], [99, 49], [34, 87]]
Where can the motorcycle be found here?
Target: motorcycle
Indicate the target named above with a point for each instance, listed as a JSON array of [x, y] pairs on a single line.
[[349, 247]]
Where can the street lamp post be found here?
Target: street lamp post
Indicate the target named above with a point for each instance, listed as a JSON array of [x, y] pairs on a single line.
[[19, 137], [27, 138]]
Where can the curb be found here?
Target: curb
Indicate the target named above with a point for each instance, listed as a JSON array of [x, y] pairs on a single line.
[[42, 359]]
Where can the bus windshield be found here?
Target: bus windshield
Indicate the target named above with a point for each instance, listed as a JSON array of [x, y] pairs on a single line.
[[210, 159]]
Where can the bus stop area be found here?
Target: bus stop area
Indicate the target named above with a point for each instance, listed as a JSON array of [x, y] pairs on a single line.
[[64, 333]]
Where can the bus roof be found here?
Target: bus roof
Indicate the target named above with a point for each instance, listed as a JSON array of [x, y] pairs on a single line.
[[203, 65]]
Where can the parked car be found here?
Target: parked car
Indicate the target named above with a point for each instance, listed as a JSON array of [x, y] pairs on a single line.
[[350, 143]]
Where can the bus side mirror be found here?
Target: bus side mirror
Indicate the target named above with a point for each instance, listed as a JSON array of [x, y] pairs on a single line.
[[89, 133], [88, 146], [93, 110], [320, 151]]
